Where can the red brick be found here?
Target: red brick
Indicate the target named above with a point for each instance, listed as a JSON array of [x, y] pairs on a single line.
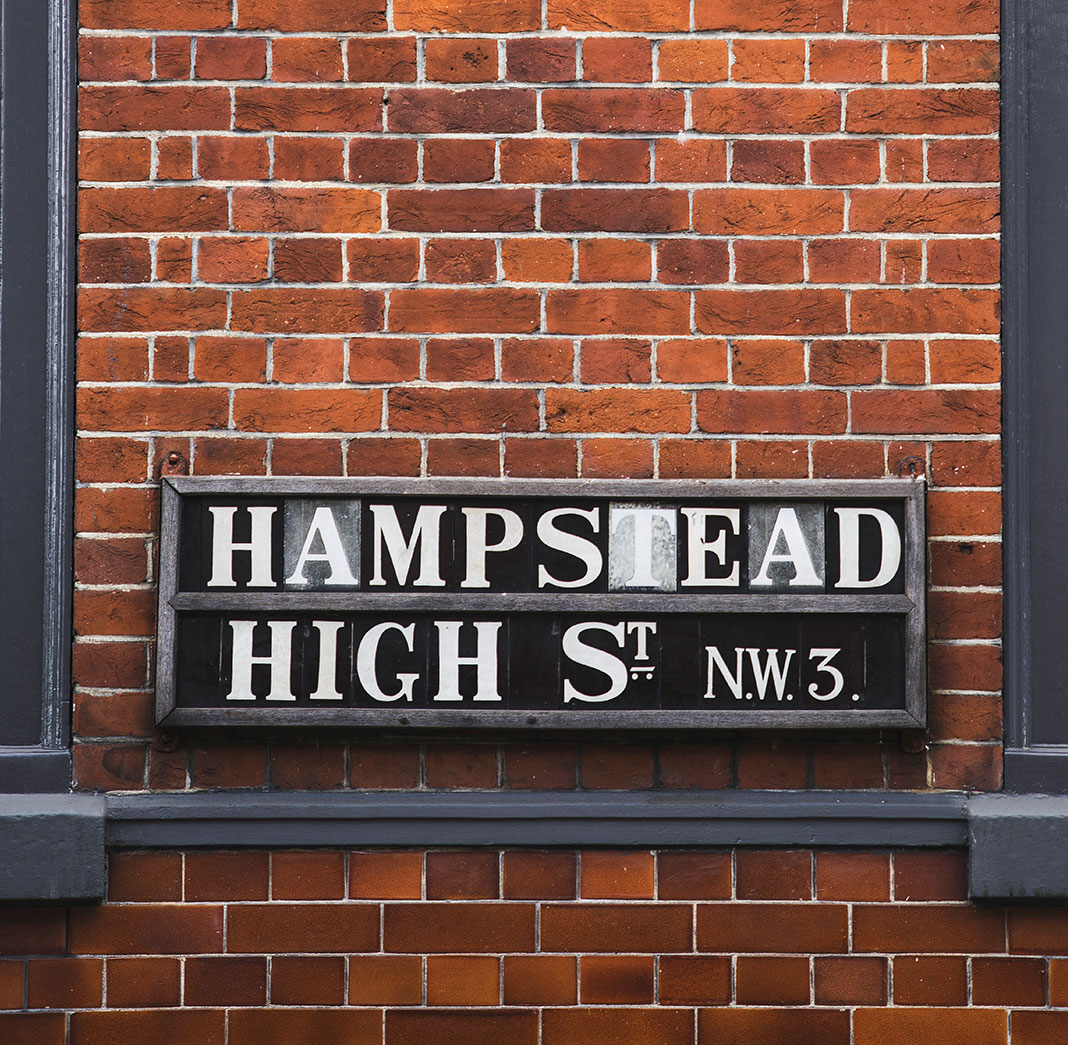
[[545, 458], [654, 16], [163, 208], [307, 109], [460, 261], [536, 261], [107, 767], [114, 159], [483, 311], [540, 60], [611, 159], [765, 110], [617, 459], [383, 160], [949, 411], [647, 312], [303, 59], [815, 311], [115, 58], [694, 60], [306, 457], [458, 160], [692, 261], [535, 159], [232, 58], [959, 159], [461, 60], [614, 261], [614, 766], [695, 159], [965, 361], [310, 159], [614, 210], [390, 60], [618, 59], [922, 111], [144, 108], [374, 767], [462, 410], [768, 362], [479, 110], [334, 16], [537, 359], [382, 260], [232, 159], [454, 16]]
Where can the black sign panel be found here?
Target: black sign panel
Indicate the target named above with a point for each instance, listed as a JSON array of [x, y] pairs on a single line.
[[554, 604]]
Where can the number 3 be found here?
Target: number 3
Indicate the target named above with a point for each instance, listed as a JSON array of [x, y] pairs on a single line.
[[826, 656]]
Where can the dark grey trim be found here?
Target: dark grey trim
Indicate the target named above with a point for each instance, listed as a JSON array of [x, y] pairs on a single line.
[[1018, 847], [53, 848], [24, 770], [633, 819], [1036, 770], [37, 152]]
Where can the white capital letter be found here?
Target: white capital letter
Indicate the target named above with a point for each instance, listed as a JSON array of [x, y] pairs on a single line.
[[476, 541], [698, 548], [426, 535], [849, 547], [579, 547], [484, 660], [600, 660], [788, 528], [326, 688], [367, 655], [223, 547], [324, 526], [280, 659]]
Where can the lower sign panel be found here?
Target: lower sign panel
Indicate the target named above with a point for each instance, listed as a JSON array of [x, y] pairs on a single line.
[[414, 667]]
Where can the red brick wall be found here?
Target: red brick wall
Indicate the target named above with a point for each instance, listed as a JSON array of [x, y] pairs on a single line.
[[631, 948], [634, 239], [674, 238]]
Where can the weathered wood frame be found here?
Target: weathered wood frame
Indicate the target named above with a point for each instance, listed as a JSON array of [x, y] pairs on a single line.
[[911, 604]]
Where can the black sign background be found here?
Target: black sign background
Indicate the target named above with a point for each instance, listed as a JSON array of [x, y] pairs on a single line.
[[777, 652]]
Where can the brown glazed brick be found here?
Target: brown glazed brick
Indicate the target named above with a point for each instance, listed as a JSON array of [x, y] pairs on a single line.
[[975, 1026], [141, 983], [930, 876], [776, 764], [385, 980], [134, 876], [625, 1026], [616, 767], [226, 876], [308, 767], [462, 875], [226, 981], [1040, 930], [146, 929], [177, 1026], [260, 1026], [616, 980], [461, 1026], [852, 876], [262, 928], [463, 980], [924, 980], [34, 1028], [1009, 981], [761, 927], [693, 876], [742, 1026], [383, 767], [850, 980], [612, 875], [64, 983], [688, 766], [307, 875], [1037, 1028], [601, 928], [532, 875], [386, 876], [461, 766], [540, 979], [307, 981], [772, 981], [230, 765], [773, 875], [437, 928], [542, 766], [12, 984], [686, 979], [929, 929]]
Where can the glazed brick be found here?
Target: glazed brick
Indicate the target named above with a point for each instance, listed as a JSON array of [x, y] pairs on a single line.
[[852, 876], [1031, 1028], [1009, 981], [771, 875], [385, 876], [744, 1026], [302, 927], [463, 980], [850, 980], [1038, 930], [616, 875], [616, 980], [180, 1026], [532, 875], [921, 980], [436, 928], [625, 1026], [541, 766], [64, 983], [786, 928], [146, 929], [772, 981], [462, 875], [262, 1026], [616, 927], [226, 876], [307, 875], [385, 980], [694, 980], [457, 1027], [980, 1026], [223, 981], [540, 979], [136, 983], [916, 927], [307, 981]]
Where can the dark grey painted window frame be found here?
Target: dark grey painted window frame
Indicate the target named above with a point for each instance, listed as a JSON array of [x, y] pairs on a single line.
[[37, 150], [1035, 383]]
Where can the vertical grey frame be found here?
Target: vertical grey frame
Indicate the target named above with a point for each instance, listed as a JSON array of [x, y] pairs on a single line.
[[37, 150], [911, 604], [1035, 383]]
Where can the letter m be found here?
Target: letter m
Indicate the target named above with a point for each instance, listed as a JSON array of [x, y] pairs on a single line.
[[425, 537]]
